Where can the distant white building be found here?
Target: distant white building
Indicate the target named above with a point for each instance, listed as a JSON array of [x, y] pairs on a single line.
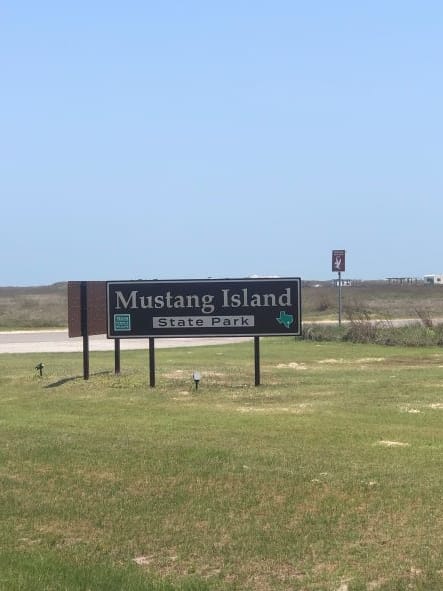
[[434, 279], [401, 280], [345, 282]]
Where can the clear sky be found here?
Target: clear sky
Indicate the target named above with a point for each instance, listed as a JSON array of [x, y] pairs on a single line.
[[194, 139]]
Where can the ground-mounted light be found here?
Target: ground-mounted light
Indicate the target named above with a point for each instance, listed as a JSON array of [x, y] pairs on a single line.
[[196, 377]]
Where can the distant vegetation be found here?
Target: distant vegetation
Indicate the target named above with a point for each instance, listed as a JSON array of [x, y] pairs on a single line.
[[34, 307], [376, 299], [47, 307], [370, 310]]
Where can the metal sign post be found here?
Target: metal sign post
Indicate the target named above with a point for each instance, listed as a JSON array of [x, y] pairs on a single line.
[[339, 298], [339, 265], [117, 357], [151, 362], [257, 360]]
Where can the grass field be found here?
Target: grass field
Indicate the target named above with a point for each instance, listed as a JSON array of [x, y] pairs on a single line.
[[326, 477]]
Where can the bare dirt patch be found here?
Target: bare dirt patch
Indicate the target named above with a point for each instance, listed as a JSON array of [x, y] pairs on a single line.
[[298, 409], [370, 360], [292, 365], [387, 443], [412, 411], [331, 361]]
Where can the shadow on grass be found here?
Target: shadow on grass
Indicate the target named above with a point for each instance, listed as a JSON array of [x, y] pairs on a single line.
[[72, 379]]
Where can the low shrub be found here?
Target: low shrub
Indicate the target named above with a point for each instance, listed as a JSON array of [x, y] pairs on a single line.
[[322, 332], [376, 332]]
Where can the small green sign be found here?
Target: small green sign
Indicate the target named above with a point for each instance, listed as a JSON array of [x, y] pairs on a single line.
[[122, 322]]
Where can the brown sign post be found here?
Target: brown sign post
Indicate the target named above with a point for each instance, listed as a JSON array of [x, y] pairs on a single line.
[[96, 307], [87, 316]]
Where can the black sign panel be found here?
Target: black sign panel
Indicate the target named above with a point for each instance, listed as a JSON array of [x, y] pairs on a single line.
[[209, 307]]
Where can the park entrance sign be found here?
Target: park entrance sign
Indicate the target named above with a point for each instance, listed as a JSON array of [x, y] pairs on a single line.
[[203, 308], [251, 307]]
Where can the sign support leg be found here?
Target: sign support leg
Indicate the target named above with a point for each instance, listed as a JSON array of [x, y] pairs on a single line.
[[117, 357], [84, 327], [151, 362], [339, 298], [257, 360]]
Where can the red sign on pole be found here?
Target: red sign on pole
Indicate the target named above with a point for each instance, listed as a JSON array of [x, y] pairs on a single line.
[[338, 260]]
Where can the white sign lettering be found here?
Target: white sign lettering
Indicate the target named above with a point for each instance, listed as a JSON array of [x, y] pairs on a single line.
[[202, 321]]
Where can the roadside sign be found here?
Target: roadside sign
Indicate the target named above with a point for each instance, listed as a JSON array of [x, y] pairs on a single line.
[[338, 260], [202, 307]]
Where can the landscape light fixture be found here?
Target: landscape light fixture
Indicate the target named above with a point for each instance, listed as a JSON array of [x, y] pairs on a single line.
[[196, 377], [40, 367]]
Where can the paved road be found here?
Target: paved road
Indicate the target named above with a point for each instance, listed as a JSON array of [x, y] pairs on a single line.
[[57, 341]]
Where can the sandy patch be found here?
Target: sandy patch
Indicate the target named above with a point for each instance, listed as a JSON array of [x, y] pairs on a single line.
[[361, 360], [143, 560], [373, 585], [292, 365], [177, 374], [387, 443], [184, 395], [274, 409], [408, 409], [436, 405], [370, 360], [180, 374], [332, 361]]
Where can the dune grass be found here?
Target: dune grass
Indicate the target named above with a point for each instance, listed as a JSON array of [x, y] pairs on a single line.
[[326, 477]]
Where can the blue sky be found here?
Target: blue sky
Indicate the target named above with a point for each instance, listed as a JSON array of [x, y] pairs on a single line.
[[184, 139]]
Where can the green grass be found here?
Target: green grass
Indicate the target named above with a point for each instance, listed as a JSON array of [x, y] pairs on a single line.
[[327, 476]]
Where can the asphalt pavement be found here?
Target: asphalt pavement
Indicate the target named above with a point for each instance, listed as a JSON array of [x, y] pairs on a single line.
[[58, 341]]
